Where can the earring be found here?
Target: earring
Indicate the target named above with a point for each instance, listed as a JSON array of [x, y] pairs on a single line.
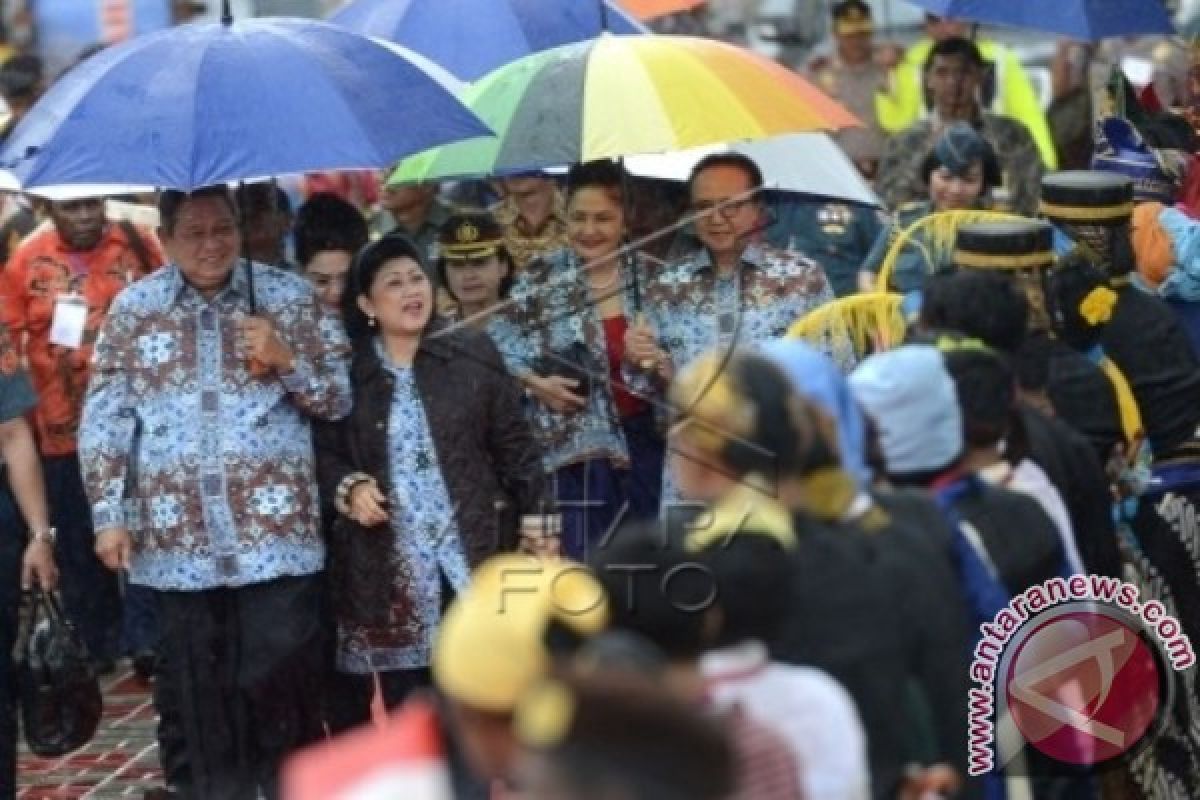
[[371, 321]]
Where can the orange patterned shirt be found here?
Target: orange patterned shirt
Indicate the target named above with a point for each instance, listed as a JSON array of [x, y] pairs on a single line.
[[41, 270]]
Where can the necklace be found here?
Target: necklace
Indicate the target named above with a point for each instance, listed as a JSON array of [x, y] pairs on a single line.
[[608, 277]]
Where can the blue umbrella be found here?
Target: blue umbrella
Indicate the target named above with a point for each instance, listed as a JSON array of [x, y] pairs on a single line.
[[472, 37], [1085, 20], [216, 102]]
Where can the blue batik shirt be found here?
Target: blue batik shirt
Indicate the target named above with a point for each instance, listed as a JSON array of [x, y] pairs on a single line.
[[549, 309], [210, 467], [426, 542]]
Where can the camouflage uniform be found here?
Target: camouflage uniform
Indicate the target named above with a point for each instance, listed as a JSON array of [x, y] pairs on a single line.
[[524, 247], [900, 170]]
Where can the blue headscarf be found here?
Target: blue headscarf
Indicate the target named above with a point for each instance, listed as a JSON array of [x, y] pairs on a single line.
[[818, 379], [1183, 282]]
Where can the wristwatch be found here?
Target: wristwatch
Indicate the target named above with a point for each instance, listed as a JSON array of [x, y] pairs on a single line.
[[48, 535]]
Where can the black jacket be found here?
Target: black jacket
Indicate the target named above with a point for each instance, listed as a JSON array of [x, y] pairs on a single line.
[[488, 458]]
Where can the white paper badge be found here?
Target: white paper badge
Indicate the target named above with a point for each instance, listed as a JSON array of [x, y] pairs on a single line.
[[70, 318]]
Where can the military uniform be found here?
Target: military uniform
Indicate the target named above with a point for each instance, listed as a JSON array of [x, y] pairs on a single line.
[[425, 237], [855, 87], [836, 235], [912, 265], [524, 246], [900, 179]]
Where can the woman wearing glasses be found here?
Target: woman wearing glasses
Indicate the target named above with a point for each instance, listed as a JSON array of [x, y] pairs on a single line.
[[428, 476], [564, 334]]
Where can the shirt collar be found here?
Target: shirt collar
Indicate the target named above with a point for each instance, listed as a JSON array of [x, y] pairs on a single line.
[[753, 256], [733, 664]]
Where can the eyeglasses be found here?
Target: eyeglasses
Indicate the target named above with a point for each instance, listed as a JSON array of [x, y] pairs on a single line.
[[727, 207]]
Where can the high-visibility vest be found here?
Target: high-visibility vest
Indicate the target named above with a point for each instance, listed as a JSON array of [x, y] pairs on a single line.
[[1014, 97]]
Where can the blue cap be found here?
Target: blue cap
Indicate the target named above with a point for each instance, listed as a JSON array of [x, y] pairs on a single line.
[[911, 398]]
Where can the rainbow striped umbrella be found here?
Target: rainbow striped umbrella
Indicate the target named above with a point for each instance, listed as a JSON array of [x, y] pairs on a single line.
[[623, 95]]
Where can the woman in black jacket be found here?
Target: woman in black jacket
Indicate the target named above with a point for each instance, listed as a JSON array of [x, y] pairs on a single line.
[[428, 476]]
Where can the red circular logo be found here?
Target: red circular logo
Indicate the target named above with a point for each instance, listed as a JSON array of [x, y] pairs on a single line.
[[1084, 687]]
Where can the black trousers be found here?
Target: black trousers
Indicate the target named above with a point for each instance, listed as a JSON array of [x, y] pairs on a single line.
[[245, 667], [12, 545], [350, 695]]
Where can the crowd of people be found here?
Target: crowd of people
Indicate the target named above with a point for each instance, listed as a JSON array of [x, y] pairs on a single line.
[[462, 447]]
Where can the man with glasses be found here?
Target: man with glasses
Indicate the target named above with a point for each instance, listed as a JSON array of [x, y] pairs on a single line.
[[734, 290]]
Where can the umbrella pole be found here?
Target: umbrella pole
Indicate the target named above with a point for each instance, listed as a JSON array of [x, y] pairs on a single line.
[[244, 256], [628, 258]]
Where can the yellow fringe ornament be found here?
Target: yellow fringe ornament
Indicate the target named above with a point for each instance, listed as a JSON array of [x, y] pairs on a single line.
[[940, 230], [871, 322]]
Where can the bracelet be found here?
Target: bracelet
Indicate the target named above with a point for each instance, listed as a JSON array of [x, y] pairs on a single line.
[[48, 535], [341, 498]]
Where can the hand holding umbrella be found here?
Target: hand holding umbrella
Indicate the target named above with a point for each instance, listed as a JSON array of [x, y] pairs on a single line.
[[263, 348], [641, 346]]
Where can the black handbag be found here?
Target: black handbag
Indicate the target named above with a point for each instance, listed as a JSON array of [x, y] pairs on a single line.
[[58, 688], [575, 363]]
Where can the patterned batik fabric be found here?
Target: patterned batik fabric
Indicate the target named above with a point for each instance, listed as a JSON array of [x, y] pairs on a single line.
[[41, 271], [427, 546], [1160, 548], [210, 465], [694, 310], [549, 310]]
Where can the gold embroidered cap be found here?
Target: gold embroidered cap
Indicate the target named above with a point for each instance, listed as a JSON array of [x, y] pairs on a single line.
[[851, 17], [470, 234]]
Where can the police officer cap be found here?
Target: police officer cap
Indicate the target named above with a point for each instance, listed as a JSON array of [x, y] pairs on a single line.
[[470, 234], [852, 16]]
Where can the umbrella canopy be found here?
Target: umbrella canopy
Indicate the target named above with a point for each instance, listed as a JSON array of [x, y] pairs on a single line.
[[472, 37], [209, 103], [622, 95], [804, 163], [653, 9], [1086, 20]]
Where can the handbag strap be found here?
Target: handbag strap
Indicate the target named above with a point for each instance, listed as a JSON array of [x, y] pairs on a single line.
[[51, 609]]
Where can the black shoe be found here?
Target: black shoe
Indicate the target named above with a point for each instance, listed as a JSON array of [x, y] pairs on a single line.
[[104, 667], [161, 793], [145, 663]]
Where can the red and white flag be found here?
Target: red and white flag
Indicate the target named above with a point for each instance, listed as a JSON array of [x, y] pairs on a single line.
[[402, 759]]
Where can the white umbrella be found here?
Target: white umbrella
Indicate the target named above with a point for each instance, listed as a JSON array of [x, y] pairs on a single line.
[[805, 163]]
